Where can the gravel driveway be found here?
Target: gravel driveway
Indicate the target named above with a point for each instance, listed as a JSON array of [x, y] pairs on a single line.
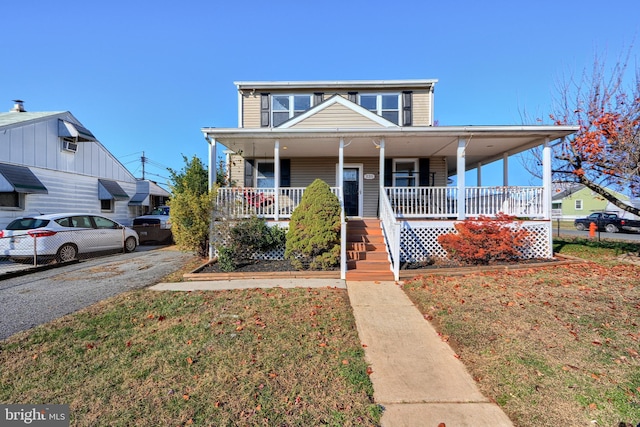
[[40, 297]]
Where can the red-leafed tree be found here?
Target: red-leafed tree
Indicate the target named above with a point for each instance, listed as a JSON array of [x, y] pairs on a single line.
[[605, 151]]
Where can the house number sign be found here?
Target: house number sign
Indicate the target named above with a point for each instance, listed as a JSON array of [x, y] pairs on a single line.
[[369, 176]]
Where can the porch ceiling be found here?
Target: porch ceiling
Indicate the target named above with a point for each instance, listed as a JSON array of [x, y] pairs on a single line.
[[484, 144]]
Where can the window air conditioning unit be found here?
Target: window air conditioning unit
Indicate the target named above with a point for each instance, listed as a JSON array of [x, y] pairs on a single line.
[[69, 145]]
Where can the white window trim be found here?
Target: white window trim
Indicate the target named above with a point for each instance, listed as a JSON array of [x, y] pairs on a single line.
[[111, 205], [21, 203], [258, 162], [415, 169], [292, 111], [578, 202], [379, 96]]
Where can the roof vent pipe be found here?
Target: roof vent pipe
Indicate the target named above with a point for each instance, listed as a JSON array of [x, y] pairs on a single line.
[[19, 106]]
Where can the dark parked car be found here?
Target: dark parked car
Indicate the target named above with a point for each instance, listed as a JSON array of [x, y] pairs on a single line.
[[155, 227], [606, 221]]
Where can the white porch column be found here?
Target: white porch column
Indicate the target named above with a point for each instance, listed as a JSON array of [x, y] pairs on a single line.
[[276, 177], [479, 174], [546, 179], [213, 146], [381, 173], [505, 169], [460, 171], [212, 162], [343, 222]]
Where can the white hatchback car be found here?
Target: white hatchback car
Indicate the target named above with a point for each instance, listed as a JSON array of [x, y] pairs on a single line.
[[64, 236]]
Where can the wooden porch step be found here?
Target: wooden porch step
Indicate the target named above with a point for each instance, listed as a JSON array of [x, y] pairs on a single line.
[[367, 255], [368, 265], [367, 258], [371, 238], [366, 247], [366, 276]]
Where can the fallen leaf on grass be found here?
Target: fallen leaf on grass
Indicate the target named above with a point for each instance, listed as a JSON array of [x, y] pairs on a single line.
[[369, 370]]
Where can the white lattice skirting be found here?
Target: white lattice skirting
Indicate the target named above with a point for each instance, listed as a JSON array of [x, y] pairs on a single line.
[[419, 240]]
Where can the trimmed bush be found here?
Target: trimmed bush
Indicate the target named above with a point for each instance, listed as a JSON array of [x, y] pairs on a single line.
[[484, 240], [313, 239], [239, 241]]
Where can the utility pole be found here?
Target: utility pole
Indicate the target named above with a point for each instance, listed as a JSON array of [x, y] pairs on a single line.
[[143, 159]]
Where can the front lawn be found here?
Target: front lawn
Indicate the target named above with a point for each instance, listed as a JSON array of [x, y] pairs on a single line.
[[247, 357], [553, 346]]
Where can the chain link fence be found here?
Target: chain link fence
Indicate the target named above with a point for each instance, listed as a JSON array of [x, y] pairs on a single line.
[[23, 249]]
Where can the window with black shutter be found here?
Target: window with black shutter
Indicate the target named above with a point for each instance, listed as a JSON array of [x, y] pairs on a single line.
[[265, 105], [407, 114]]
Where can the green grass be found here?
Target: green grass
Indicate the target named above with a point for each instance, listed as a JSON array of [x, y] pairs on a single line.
[[552, 345], [592, 249], [250, 357]]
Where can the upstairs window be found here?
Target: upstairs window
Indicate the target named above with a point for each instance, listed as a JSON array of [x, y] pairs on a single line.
[[578, 204], [284, 107], [386, 105]]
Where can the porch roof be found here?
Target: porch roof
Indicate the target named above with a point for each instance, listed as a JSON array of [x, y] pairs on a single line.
[[485, 144]]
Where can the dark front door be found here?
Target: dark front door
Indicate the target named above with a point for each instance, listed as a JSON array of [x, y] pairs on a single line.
[[351, 191]]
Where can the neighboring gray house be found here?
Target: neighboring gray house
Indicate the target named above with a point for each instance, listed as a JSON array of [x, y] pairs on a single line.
[[50, 163]]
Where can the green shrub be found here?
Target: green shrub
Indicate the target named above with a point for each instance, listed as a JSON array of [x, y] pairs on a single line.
[[190, 217], [191, 206], [313, 239], [253, 235], [226, 258], [239, 241]]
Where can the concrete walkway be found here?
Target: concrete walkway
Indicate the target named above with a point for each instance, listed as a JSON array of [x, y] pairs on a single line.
[[416, 376]]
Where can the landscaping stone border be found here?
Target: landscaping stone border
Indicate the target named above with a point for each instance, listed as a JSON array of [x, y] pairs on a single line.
[[405, 275]]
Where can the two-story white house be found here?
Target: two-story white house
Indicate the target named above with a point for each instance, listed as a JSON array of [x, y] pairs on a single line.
[[375, 143], [50, 163]]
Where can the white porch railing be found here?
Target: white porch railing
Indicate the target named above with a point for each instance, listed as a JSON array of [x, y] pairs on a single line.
[[516, 201], [391, 230], [423, 202], [241, 202], [441, 202]]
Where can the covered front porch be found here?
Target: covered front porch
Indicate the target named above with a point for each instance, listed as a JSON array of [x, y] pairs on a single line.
[[367, 171]]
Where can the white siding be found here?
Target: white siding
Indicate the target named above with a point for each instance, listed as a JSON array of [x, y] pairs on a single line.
[[70, 178], [438, 165], [337, 116]]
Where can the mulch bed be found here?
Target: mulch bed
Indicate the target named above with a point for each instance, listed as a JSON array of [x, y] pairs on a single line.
[[257, 266]]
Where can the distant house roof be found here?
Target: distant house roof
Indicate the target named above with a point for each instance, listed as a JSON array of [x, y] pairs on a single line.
[[13, 117], [572, 188], [337, 84]]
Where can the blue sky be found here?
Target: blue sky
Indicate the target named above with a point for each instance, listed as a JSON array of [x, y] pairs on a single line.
[[146, 75]]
